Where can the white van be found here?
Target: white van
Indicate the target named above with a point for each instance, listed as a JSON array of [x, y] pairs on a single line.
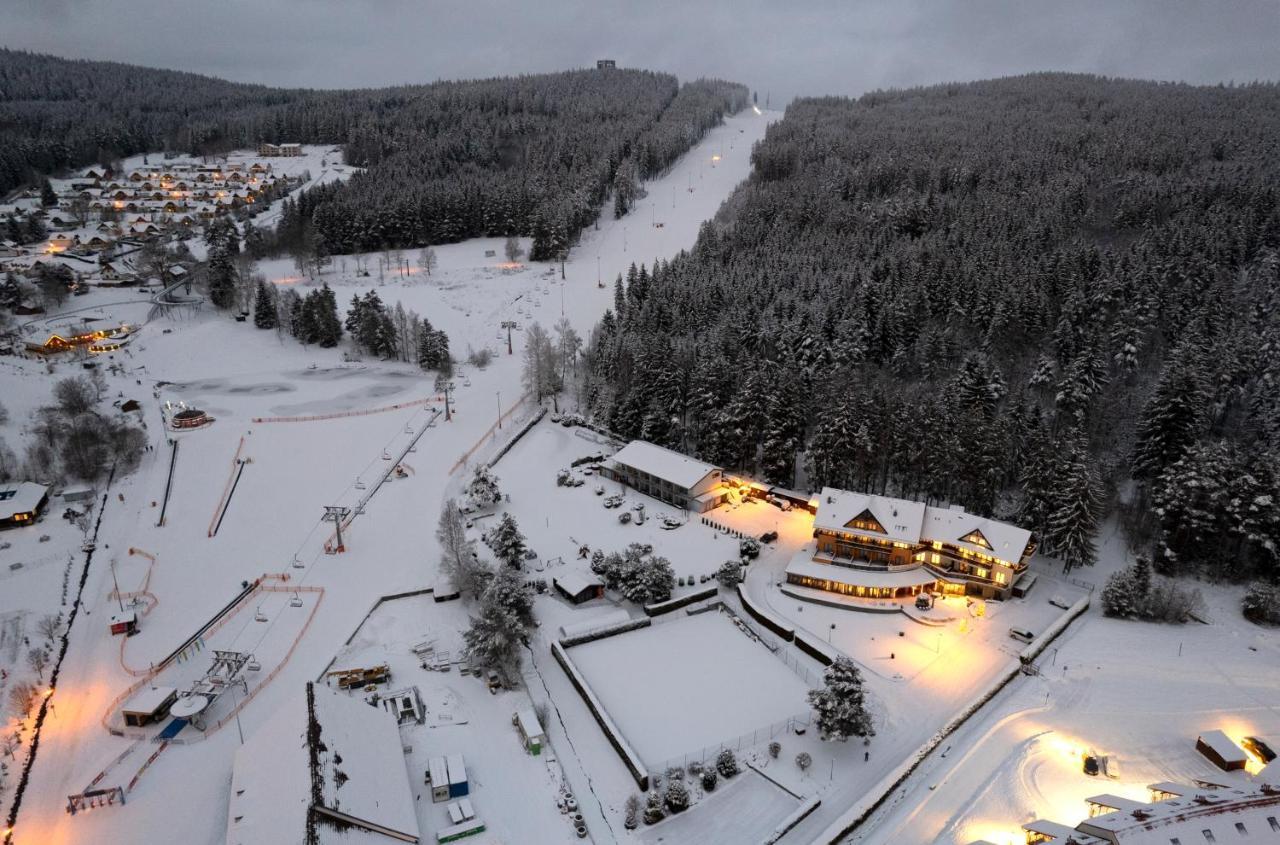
[[1021, 634]]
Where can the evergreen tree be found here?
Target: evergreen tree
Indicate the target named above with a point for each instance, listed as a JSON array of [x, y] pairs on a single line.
[[222, 279], [677, 796], [507, 542], [482, 490], [328, 328], [265, 309], [839, 705], [48, 198], [1077, 504], [493, 639], [653, 809], [508, 589], [1172, 416]]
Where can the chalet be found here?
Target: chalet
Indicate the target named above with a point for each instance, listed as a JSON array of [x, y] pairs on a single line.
[[577, 586], [21, 503], [77, 336], [667, 476], [325, 769], [880, 547]]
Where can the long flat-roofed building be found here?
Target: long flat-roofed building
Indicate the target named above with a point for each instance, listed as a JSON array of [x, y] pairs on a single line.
[[667, 476], [1230, 814]]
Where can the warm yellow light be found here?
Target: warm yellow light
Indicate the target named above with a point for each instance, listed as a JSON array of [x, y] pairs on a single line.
[[715, 158]]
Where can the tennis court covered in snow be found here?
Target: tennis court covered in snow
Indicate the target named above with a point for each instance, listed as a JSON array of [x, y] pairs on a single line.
[[679, 687]]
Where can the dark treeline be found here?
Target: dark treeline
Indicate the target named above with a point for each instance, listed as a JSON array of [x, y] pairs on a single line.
[[529, 155], [1040, 297]]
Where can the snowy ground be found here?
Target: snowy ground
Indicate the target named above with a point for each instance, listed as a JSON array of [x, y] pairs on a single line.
[[512, 791], [296, 468], [1139, 693], [726, 685], [744, 809]]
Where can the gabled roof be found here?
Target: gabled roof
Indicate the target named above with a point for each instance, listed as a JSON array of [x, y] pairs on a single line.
[[680, 470], [901, 519], [906, 521], [954, 525]]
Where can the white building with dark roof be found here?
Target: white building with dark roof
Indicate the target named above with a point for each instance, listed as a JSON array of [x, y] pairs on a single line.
[[326, 770]]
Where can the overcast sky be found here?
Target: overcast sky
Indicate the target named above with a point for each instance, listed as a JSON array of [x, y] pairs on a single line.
[[777, 47]]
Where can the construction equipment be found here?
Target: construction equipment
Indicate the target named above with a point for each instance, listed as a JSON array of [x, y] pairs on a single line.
[[361, 677]]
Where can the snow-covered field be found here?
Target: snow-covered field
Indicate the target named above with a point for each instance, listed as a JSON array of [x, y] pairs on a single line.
[[681, 686], [512, 791], [238, 373]]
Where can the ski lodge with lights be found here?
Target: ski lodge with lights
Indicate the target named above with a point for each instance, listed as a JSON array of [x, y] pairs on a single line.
[[95, 340], [879, 547]]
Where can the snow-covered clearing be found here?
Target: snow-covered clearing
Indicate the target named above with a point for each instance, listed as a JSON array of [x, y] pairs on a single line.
[[681, 687], [238, 373]]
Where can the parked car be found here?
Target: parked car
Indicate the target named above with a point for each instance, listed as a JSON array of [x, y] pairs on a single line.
[[779, 503], [599, 489], [924, 601], [1090, 765], [768, 536], [1258, 748], [670, 522], [1059, 602], [1021, 634]]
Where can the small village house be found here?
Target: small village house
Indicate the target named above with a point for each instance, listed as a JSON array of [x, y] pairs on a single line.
[[22, 503]]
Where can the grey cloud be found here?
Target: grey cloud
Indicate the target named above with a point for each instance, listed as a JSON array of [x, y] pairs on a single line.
[[818, 47]]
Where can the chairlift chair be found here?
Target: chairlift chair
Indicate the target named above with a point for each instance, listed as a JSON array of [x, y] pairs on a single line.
[[359, 485], [296, 601], [258, 615], [386, 456], [297, 563]]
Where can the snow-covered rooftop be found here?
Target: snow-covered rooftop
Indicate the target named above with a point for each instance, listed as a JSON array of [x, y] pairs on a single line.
[[23, 497], [360, 765], [149, 700], [574, 581], [660, 462], [914, 522], [801, 565], [1224, 747], [1230, 815]]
